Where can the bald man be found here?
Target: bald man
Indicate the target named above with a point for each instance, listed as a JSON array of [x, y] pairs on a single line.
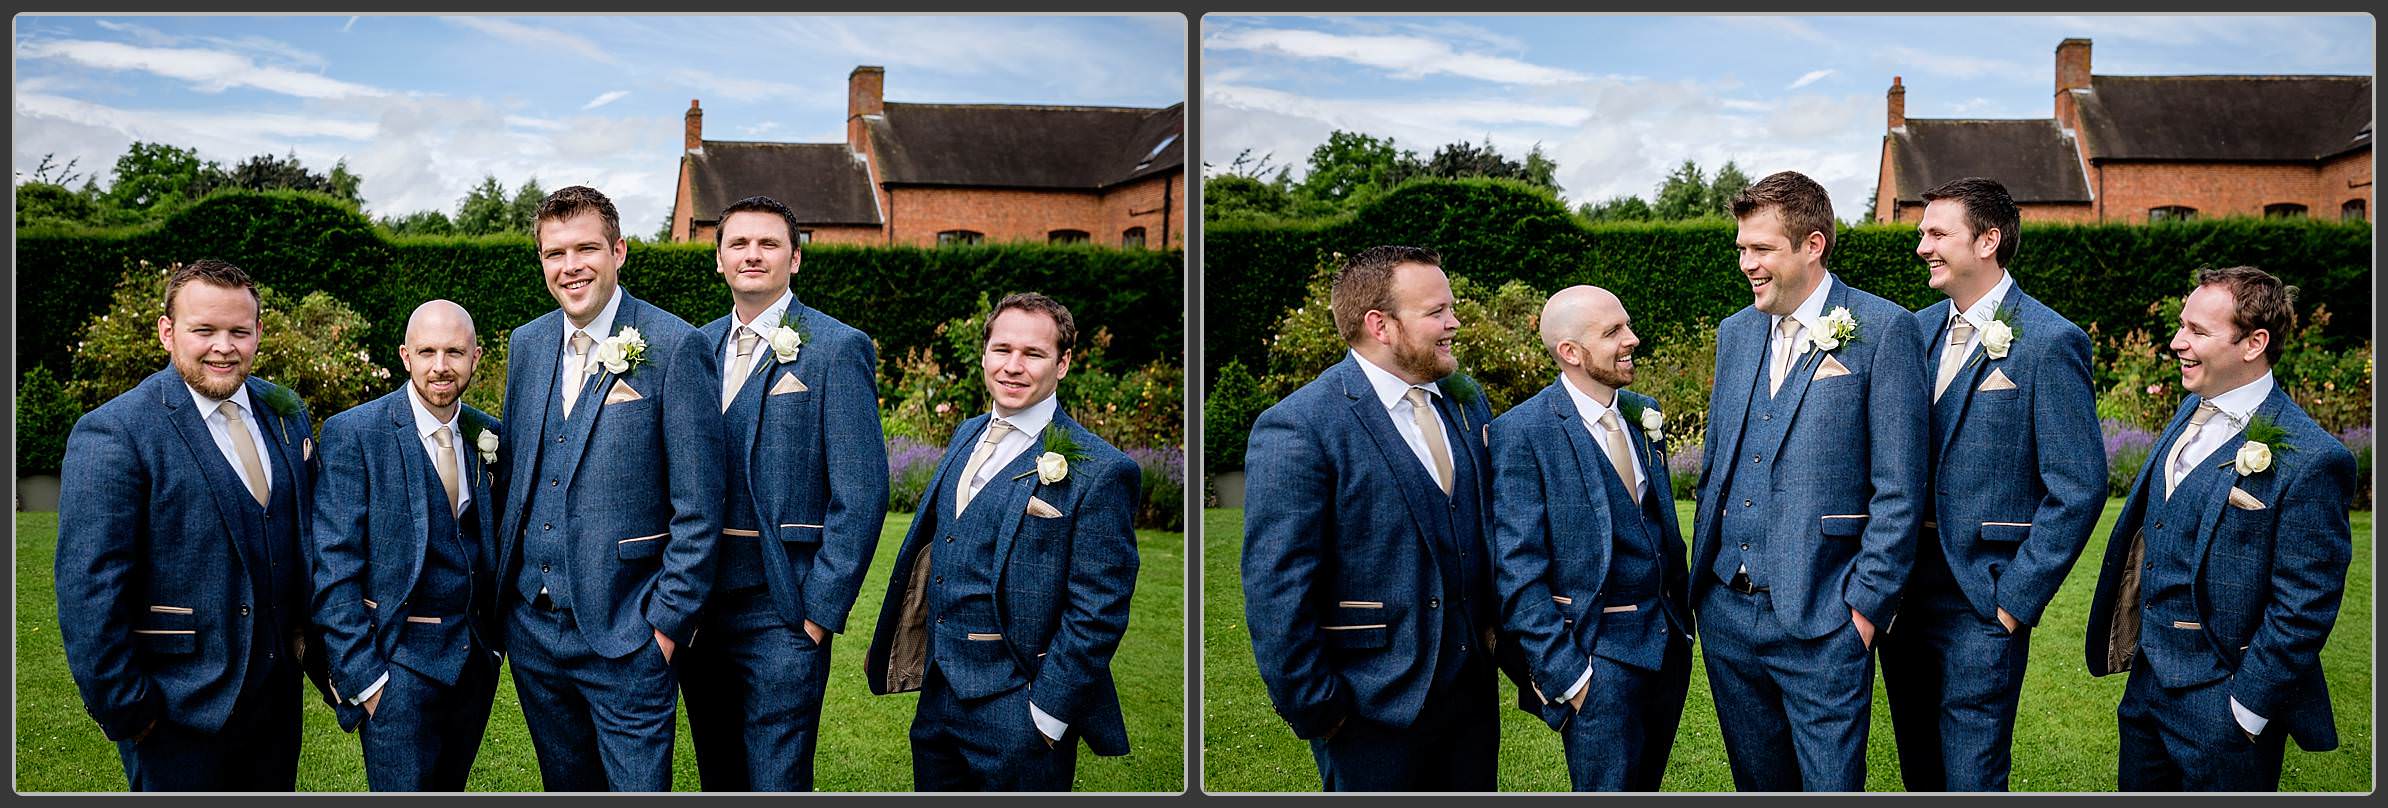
[[1591, 561], [404, 558]]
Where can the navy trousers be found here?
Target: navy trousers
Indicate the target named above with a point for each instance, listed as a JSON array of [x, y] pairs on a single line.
[[424, 735], [1621, 738], [1953, 680], [597, 724], [988, 744], [257, 750], [754, 689], [1794, 712], [1454, 746], [2188, 740]]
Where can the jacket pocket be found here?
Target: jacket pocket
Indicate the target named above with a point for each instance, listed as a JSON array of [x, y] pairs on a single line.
[[1357, 624], [640, 547], [1841, 526], [168, 630], [2008, 532], [800, 534]]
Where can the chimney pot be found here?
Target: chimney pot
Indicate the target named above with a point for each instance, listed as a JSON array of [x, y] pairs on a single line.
[[694, 127], [1896, 102]]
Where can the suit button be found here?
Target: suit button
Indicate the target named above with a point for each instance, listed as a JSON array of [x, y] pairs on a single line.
[[941, 620], [1434, 603], [559, 439], [1745, 546], [949, 540], [548, 526], [551, 483], [1766, 418], [939, 579], [1745, 503], [1753, 458], [1463, 648], [2159, 525], [244, 610], [543, 567]]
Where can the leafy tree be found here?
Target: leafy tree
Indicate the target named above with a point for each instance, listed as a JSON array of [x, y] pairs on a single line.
[[419, 223], [525, 206], [344, 184], [1350, 163], [151, 174], [47, 203], [1540, 169], [1618, 209], [1872, 192], [1234, 196], [484, 209], [49, 171], [1683, 194], [1729, 183]]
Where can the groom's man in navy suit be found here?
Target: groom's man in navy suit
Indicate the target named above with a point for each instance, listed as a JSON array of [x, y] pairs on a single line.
[[2226, 567], [182, 586], [806, 472], [1591, 560], [612, 507], [1810, 493], [1368, 581], [405, 562], [2018, 476]]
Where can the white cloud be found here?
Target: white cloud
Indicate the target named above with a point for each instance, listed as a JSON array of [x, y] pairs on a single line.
[[533, 36], [1407, 57], [1786, 26], [1811, 77], [351, 23], [604, 99], [207, 71]]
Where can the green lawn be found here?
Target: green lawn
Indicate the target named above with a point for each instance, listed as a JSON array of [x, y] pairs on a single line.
[[863, 747], [2065, 730]]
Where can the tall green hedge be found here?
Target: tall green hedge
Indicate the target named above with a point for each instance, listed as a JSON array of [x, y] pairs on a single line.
[[1493, 231], [298, 243]]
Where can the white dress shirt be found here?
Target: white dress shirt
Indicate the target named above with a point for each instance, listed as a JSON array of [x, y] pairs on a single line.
[[2233, 409], [1026, 424], [222, 432], [762, 325], [1809, 311], [1393, 393], [1981, 313], [598, 330]]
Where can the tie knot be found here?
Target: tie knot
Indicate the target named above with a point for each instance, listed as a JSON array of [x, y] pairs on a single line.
[[230, 410], [1960, 329], [1787, 325], [441, 436], [997, 430], [1416, 396], [581, 342], [2205, 412], [1608, 420], [746, 340]]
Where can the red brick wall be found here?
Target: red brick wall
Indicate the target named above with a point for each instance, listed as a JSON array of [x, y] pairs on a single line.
[[2128, 190], [1886, 180], [2075, 213], [867, 236], [917, 215], [1144, 203]]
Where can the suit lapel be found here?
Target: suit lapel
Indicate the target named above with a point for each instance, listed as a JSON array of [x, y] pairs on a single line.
[[1418, 489], [2210, 510], [1803, 371], [414, 465], [1591, 462], [223, 484], [1016, 490], [591, 401], [1734, 383], [947, 481]]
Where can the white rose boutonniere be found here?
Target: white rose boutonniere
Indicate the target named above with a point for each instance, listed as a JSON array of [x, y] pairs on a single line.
[[1054, 465], [2253, 458], [784, 343], [488, 444], [622, 351], [1653, 424], [1997, 339], [2255, 455], [1052, 468], [1833, 330]]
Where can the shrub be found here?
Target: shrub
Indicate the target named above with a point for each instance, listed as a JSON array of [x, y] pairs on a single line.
[[45, 414], [2127, 449], [2358, 441], [488, 390], [1683, 469], [1229, 407], [910, 464], [1162, 505], [2332, 386], [1677, 366]]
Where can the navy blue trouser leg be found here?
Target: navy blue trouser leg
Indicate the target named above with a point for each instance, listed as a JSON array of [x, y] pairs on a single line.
[[597, 724], [1454, 746], [256, 751], [423, 735], [1953, 680], [2188, 740], [754, 687], [989, 744], [1794, 712], [1621, 739]]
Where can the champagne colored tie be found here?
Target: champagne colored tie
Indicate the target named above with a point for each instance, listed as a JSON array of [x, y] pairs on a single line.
[[1620, 449], [740, 366], [997, 430], [1784, 329], [1431, 427], [581, 343], [1960, 331], [245, 448], [2177, 467], [448, 468]]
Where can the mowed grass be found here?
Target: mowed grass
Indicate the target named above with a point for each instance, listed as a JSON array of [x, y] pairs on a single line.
[[2065, 737], [864, 743]]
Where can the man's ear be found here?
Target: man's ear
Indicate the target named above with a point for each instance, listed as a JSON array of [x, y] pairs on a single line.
[[166, 334], [2255, 344], [1063, 366]]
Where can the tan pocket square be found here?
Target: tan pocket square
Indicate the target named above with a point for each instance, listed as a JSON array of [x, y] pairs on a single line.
[[1829, 368], [2240, 499], [1042, 509], [787, 383], [1997, 380], [622, 392]]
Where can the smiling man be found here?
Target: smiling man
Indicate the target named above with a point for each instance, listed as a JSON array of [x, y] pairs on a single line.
[[613, 505], [1591, 569], [1809, 498], [2226, 567], [182, 588], [1368, 583], [405, 562], [1011, 591], [806, 480]]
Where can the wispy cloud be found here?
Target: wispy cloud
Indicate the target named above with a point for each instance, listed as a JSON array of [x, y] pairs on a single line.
[[208, 71], [534, 36], [1951, 64], [604, 99], [1787, 26], [1811, 77], [351, 23], [1407, 57]]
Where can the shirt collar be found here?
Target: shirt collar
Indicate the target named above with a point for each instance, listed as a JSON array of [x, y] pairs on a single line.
[[768, 318], [1590, 410], [2240, 403], [240, 398], [1811, 309], [1390, 389], [1986, 309], [425, 422], [1032, 420], [601, 327]]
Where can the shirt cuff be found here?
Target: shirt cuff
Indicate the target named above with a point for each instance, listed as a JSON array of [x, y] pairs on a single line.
[[367, 694], [1053, 728], [2248, 720], [1580, 682]]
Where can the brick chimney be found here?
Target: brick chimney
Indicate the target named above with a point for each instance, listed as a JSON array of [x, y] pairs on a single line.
[[1898, 105], [866, 90], [695, 128], [2072, 73]]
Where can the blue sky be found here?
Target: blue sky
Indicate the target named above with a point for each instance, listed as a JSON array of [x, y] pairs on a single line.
[[422, 107], [1620, 101]]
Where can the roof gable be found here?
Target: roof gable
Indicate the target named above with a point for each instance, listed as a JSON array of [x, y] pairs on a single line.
[[823, 183], [2224, 118], [1014, 146], [2033, 158]]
